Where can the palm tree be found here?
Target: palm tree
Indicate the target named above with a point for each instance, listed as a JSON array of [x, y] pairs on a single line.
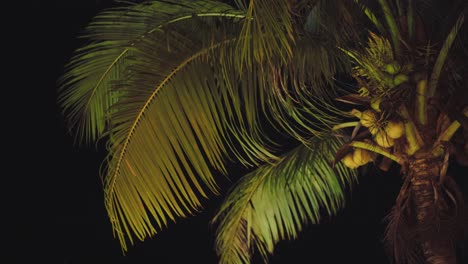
[[305, 94]]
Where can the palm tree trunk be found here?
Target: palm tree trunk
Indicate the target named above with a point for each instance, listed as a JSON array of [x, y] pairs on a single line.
[[430, 208]]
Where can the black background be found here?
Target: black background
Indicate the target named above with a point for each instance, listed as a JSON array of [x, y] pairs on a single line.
[[53, 199]]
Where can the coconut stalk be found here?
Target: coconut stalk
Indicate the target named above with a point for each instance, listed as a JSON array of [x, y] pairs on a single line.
[[377, 149], [412, 135], [438, 148], [421, 102], [344, 125]]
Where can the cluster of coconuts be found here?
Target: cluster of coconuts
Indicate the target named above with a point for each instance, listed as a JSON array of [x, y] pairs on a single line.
[[383, 135], [357, 158], [396, 77]]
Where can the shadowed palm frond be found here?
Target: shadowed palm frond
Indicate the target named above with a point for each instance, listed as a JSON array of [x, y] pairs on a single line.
[[275, 201], [304, 89], [267, 32], [337, 22], [443, 54], [303, 86]]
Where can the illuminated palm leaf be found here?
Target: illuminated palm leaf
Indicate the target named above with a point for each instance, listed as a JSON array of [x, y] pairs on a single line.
[[171, 101], [179, 88], [275, 201], [86, 93], [162, 112]]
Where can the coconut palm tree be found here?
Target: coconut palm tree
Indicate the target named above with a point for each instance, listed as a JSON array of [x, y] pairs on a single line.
[[303, 93]]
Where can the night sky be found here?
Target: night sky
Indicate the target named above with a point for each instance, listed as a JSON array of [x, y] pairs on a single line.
[[55, 199]]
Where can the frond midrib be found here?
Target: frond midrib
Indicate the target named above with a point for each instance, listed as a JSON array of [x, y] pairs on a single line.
[[134, 126], [174, 20]]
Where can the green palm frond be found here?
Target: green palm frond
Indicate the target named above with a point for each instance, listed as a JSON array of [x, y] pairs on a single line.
[[86, 87], [170, 125], [275, 201], [166, 110], [443, 54], [392, 25], [371, 15], [267, 32]]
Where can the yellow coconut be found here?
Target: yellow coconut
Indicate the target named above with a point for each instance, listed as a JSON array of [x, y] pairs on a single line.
[[369, 118], [348, 161], [383, 140], [361, 156], [395, 129], [399, 79], [392, 68], [373, 130]]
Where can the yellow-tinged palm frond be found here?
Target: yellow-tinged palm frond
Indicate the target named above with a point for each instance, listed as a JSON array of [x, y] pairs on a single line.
[[86, 87], [170, 114], [172, 123], [371, 61], [275, 201]]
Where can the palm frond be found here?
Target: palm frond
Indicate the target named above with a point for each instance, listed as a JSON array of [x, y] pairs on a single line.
[[371, 15], [392, 26], [166, 109], [177, 117], [275, 201], [267, 31], [337, 22], [299, 90], [443, 54], [86, 87]]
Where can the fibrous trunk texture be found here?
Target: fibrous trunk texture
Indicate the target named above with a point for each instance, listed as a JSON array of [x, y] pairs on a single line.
[[425, 189], [428, 218]]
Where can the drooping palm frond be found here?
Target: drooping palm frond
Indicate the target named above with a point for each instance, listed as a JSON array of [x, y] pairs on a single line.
[[275, 201], [169, 125], [165, 109], [170, 113], [86, 87]]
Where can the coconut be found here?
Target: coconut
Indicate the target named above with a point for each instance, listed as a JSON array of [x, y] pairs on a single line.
[[383, 140], [395, 129], [369, 118], [374, 130], [399, 79], [392, 68], [361, 156], [348, 161]]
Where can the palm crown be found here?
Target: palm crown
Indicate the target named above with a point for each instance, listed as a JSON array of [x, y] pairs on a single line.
[[179, 89]]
